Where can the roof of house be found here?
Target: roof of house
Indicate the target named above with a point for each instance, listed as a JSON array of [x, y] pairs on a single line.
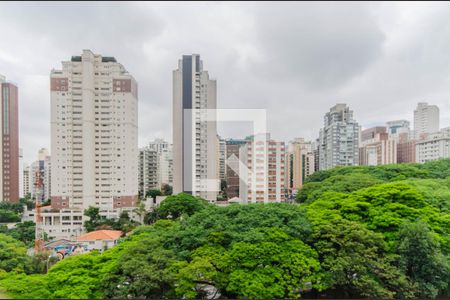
[[100, 235], [55, 243]]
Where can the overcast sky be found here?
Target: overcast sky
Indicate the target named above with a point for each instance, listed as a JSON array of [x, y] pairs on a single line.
[[294, 59]]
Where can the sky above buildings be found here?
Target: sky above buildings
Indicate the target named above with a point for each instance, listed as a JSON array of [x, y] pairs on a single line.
[[294, 59]]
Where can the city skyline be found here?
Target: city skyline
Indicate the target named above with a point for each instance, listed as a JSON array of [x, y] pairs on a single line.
[[240, 59]]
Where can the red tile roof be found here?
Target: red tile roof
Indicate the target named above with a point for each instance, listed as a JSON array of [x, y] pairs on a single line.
[[100, 235]]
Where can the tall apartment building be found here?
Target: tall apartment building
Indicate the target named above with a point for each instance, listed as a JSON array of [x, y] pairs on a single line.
[[316, 149], [339, 138], [300, 163], [426, 120], [194, 138], [94, 131], [221, 158], [377, 148], [263, 171], [39, 177], [26, 180], [435, 146], [164, 151], [165, 174], [232, 167], [148, 170], [155, 166], [9, 184]]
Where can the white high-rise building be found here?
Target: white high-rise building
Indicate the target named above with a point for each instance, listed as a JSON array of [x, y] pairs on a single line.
[[426, 120], [26, 180], [221, 157], [148, 170], [165, 161], [94, 132], [339, 139], [262, 171], [155, 166], [194, 138], [165, 174]]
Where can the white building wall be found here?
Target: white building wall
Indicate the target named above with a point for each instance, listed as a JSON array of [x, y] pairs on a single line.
[[435, 147], [93, 135]]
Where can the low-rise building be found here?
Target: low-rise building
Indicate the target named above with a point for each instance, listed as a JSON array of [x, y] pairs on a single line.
[[434, 147], [406, 149], [100, 239]]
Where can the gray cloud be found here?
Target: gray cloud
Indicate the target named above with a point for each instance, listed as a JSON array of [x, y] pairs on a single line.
[[321, 45]]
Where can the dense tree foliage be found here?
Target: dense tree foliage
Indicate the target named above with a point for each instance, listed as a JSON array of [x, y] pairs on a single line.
[[358, 232], [422, 260], [24, 232], [175, 206], [13, 255], [97, 222], [166, 190]]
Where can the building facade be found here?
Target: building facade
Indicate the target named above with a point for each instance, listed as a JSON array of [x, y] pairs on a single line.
[[39, 177], [406, 151], [398, 127], [221, 158], [263, 170], [148, 170], [26, 180], [300, 163], [9, 185], [21, 183], [155, 166], [339, 139], [435, 146], [194, 137], [426, 120], [232, 167], [377, 148], [165, 174], [94, 111]]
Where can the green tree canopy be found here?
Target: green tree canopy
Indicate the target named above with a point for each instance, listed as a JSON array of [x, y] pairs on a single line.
[[176, 205], [13, 255]]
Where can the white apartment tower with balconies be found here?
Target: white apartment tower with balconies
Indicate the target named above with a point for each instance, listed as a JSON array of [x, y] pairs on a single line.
[[339, 138], [94, 135]]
